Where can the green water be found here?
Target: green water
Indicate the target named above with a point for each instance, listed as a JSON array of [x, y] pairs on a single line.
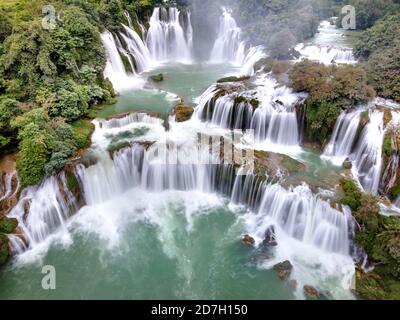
[[150, 261], [180, 81]]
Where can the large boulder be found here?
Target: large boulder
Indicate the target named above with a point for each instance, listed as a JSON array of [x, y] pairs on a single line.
[[283, 269], [183, 112]]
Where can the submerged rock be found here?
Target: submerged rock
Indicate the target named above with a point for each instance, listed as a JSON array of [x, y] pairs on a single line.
[[310, 292], [248, 240], [183, 111], [157, 77], [283, 269]]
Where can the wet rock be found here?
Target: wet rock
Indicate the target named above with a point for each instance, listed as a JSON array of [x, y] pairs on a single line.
[[183, 112], [248, 240], [157, 77], [310, 292], [283, 269], [270, 238], [347, 165]]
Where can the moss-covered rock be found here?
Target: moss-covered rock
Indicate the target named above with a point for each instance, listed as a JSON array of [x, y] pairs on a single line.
[[8, 225], [233, 79], [157, 77], [4, 249]]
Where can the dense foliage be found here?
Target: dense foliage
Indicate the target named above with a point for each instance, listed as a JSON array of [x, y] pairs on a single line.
[[379, 236], [51, 76], [330, 89], [380, 47]]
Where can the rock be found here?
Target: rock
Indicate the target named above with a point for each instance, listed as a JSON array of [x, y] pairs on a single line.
[[283, 269], [4, 249], [347, 165], [157, 77], [248, 240], [183, 112], [8, 225], [270, 238], [310, 292], [233, 79]]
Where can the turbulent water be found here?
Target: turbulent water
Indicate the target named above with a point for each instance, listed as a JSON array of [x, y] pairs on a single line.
[[159, 216], [274, 121], [327, 47]]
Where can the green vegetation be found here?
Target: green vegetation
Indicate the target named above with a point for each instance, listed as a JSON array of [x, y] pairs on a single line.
[[379, 236], [157, 77], [50, 78], [380, 47], [233, 79], [331, 89]]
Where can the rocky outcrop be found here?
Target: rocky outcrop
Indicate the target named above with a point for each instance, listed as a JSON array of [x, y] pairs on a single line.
[[4, 249], [183, 111], [283, 269], [233, 79]]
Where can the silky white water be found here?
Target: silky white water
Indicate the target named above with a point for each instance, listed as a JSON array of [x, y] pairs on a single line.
[[343, 138], [328, 46]]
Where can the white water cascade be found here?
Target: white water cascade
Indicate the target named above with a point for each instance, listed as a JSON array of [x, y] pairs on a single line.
[[322, 50], [230, 47], [167, 39], [274, 121], [367, 157], [43, 209], [115, 69], [343, 137]]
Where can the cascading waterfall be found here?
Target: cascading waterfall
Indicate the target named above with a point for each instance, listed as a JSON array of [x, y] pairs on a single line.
[[274, 120], [323, 51], [9, 185], [343, 137], [41, 210], [230, 47], [298, 213], [367, 158], [166, 38], [115, 69]]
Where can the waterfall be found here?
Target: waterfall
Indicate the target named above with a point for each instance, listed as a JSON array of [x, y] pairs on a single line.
[[367, 158], [137, 48], [326, 55], [299, 214], [9, 185], [322, 50], [273, 121], [343, 137], [115, 69], [166, 38], [41, 210], [229, 46]]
